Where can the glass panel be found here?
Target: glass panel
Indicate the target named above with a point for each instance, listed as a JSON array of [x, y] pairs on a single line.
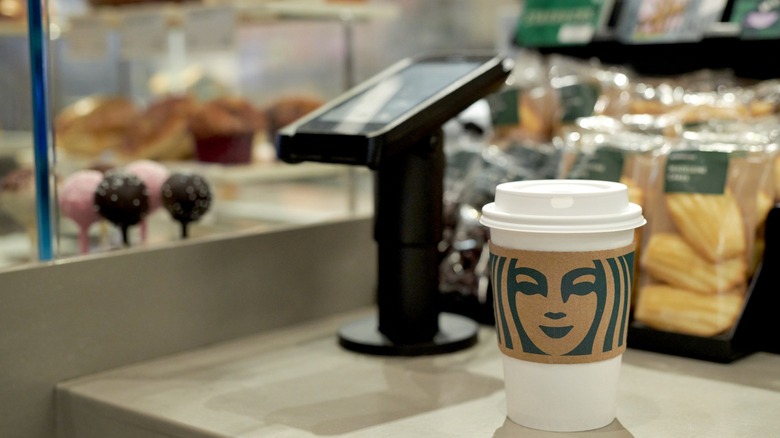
[[272, 67], [111, 93], [17, 190]]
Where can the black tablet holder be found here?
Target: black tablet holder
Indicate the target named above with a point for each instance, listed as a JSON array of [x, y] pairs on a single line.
[[407, 157], [407, 229]]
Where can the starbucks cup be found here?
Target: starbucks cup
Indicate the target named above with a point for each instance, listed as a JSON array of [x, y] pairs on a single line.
[[562, 259]]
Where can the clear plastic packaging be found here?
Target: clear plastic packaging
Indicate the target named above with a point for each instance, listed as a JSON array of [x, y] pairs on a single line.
[[704, 242]]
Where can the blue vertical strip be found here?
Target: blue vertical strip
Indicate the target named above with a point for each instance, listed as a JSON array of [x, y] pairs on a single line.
[[37, 36]]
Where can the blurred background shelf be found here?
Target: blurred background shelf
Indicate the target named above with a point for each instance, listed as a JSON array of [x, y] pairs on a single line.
[[14, 142]]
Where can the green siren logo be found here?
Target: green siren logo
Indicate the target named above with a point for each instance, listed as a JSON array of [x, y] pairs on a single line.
[[562, 307]]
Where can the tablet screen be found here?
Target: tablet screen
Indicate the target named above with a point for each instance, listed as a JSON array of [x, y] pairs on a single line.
[[393, 96]]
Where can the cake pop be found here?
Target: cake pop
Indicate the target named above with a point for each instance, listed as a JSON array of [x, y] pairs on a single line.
[[187, 197], [153, 174], [77, 202], [123, 199]]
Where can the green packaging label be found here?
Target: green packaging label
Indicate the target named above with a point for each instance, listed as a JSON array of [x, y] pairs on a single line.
[[562, 307], [558, 22], [578, 100], [757, 19], [695, 171], [654, 21], [604, 164], [504, 107]]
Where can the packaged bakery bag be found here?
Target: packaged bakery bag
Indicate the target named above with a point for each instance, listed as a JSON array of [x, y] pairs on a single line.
[[699, 252], [613, 155], [470, 182], [762, 129], [673, 106], [586, 88], [765, 127], [524, 109], [592, 152]]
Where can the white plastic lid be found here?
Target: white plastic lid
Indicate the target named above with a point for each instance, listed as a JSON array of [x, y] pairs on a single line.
[[562, 206]]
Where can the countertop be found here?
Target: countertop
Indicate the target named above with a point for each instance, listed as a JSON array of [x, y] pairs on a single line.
[[298, 382]]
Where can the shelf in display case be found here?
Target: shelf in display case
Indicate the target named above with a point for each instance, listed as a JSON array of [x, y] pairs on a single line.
[[247, 12], [252, 173], [339, 10], [243, 199], [281, 193], [258, 172], [13, 28], [19, 144], [15, 142], [256, 11]]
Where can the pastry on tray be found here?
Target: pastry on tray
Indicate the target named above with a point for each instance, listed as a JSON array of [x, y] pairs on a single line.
[[161, 131], [224, 130], [94, 125]]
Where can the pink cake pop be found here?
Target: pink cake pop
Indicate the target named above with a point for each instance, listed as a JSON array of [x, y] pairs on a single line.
[[153, 174], [77, 202]]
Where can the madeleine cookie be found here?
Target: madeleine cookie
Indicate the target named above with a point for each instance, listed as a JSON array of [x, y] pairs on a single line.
[[635, 193], [670, 259], [682, 311], [711, 224], [764, 204], [777, 177]]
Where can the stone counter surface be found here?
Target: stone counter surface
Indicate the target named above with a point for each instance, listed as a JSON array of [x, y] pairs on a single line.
[[298, 382]]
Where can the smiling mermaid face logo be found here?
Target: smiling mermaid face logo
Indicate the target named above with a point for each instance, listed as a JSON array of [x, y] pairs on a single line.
[[562, 307]]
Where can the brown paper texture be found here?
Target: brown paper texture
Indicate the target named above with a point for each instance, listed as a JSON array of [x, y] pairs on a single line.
[[562, 307]]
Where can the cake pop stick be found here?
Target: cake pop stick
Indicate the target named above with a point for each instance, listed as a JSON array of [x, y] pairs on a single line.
[[77, 202], [153, 174], [122, 199], [187, 197]]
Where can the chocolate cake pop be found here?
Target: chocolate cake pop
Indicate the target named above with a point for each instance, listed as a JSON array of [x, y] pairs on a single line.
[[77, 202], [123, 199], [187, 197], [153, 174]]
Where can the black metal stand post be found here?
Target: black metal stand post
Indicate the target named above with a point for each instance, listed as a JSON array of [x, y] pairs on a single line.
[[408, 227]]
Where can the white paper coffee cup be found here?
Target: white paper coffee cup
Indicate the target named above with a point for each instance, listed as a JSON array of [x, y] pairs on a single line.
[[562, 259]]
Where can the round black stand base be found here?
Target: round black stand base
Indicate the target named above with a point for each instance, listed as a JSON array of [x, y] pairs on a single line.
[[455, 333]]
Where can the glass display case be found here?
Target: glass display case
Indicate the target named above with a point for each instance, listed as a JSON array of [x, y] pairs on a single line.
[[125, 82], [118, 74]]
